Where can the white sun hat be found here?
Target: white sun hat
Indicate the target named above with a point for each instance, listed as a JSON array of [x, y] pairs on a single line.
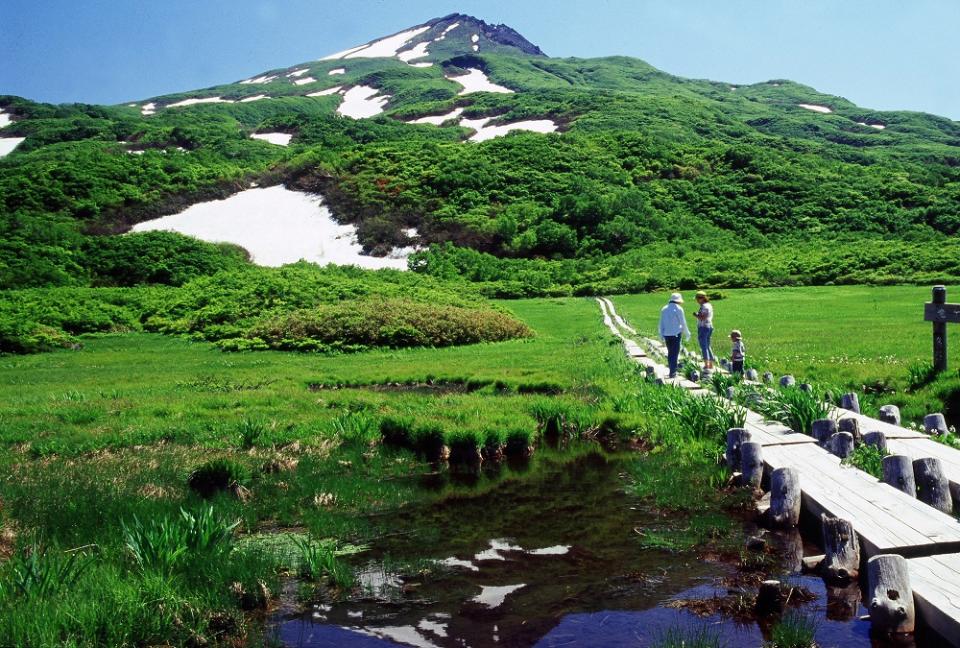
[[676, 298]]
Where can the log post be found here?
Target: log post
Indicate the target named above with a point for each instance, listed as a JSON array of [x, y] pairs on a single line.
[[736, 437], [850, 402], [823, 429], [935, 424], [724, 363], [876, 439], [890, 414], [898, 472], [751, 374], [769, 598], [695, 376], [806, 387], [751, 465], [784, 497], [843, 602], [731, 392], [787, 381], [841, 444], [841, 563], [932, 485], [890, 595], [767, 377], [939, 332], [852, 426]]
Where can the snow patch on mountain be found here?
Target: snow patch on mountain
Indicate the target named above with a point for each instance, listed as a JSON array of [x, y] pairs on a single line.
[[484, 132], [148, 109], [383, 48], [280, 139], [362, 101], [276, 226], [298, 73], [254, 98], [877, 126], [266, 78], [304, 81], [193, 101], [437, 120], [5, 119], [816, 108], [324, 93], [421, 65], [446, 31], [337, 71], [417, 51], [476, 81], [7, 144]]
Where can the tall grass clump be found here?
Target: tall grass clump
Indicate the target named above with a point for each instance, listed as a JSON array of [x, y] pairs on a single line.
[[319, 560], [37, 571], [704, 417], [167, 544], [682, 637], [357, 428], [397, 430], [795, 408], [794, 630], [559, 418], [218, 475]]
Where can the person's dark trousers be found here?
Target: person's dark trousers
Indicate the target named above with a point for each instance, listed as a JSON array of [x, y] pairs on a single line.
[[673, 353], [737, 367]]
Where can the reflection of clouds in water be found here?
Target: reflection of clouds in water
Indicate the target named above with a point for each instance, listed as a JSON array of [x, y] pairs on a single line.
[[493, 596]]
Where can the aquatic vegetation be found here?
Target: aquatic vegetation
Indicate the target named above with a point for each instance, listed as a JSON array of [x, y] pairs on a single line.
[[319, 559], [795, 630], [700, 636]]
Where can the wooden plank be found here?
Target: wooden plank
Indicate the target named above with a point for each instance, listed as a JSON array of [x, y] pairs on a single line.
[[935, 582], [944, 313], [886, 520]]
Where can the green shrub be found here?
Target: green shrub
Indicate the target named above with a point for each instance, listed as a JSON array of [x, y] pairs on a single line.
[[218, 475], [869, 459]]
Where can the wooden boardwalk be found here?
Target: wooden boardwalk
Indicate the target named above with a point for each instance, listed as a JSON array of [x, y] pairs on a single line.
[[886, 520]]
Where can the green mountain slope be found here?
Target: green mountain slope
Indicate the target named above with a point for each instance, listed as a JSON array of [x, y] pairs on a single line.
[[650, 181]]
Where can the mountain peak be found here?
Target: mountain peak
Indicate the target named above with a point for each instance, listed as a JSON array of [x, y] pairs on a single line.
[[441, 38]]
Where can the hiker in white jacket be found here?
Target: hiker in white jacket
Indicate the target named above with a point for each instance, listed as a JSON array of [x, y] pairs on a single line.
[[673, 324]]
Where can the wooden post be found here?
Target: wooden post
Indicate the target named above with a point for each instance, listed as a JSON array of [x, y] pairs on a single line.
[[769, 598], [767, 377], [841, 444], [890, 414], [751, 374], [898, 472], [787, 381], [784, 497], [731, 392], [823, 429], [843, 602], [751, 465], [935, 424], [852, 426], [850, 402], [932, 485], [939, 331], [695, 376], [842, 561], [876, 439], [736, 437], [891, 598]]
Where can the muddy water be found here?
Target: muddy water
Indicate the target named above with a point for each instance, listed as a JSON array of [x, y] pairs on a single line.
[[542, 557]]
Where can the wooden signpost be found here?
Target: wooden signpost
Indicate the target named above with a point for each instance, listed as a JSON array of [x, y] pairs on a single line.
[[940, 313]]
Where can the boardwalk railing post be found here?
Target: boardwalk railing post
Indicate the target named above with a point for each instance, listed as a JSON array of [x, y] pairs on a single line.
[[787, 381], [823, 429], [751, 374], [751, 463], [876, 439], [769, 598], [841, 564], [850, 402], [767, 377], [898, 472], [932, 485], [841, 444], [935, 424], [784, 508], [891, 598], [890, 414], [852, 426], [736, 437]]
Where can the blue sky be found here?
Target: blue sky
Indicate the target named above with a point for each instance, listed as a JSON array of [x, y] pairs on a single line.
[[885, 54]]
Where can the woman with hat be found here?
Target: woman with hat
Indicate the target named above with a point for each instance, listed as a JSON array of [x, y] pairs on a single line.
[[705, 328], [673, 324]]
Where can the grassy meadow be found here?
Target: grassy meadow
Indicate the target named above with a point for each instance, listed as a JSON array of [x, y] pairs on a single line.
[[868, 339]]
